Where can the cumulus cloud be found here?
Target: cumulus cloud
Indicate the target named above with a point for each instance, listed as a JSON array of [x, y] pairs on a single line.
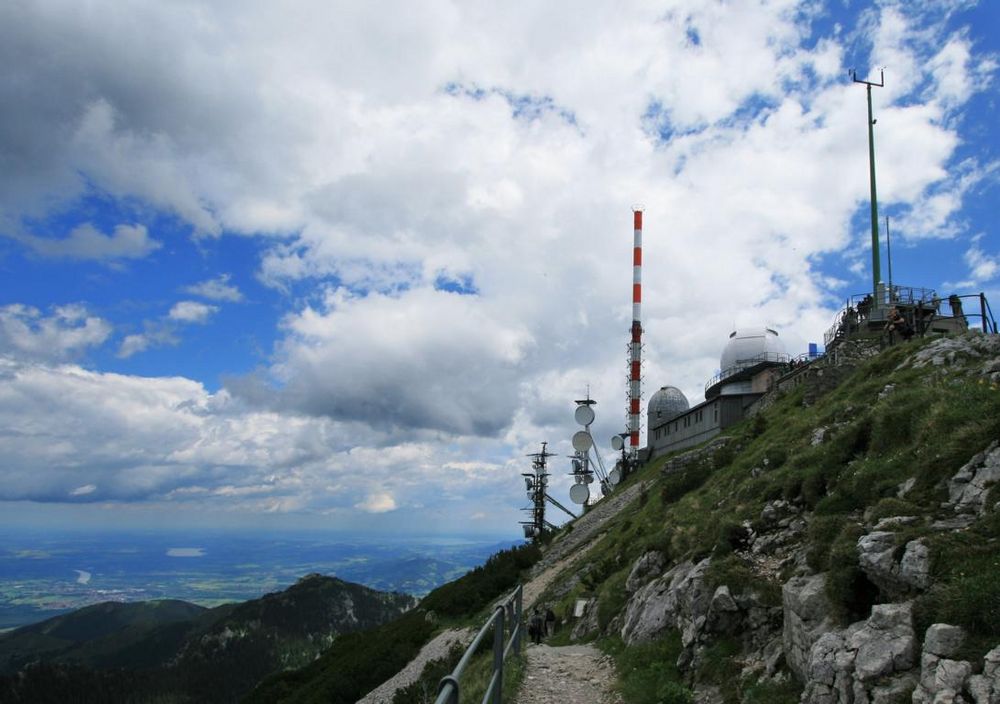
[[217, 289], [26, 332], [454, 230], [191, 312], [379, 502], [87, 242]]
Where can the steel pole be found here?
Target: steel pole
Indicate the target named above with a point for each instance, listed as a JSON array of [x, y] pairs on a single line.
[[876, 265]]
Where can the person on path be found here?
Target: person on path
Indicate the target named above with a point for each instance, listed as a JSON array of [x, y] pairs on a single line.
[[897, 323], [536, 627], [550, 622]]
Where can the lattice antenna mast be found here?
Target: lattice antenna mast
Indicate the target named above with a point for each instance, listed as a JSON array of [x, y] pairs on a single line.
[[876, 265], [536, 483], [635, 345]]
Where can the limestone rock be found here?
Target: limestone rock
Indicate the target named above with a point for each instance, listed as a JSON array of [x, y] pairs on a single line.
[[915, 565], [943, 640], [968, 488], [877, 558], [646, 567], [806, 618], [679, 599], [887, 644]]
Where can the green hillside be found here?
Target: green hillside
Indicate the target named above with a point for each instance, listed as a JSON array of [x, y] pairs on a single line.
[[167, 651]]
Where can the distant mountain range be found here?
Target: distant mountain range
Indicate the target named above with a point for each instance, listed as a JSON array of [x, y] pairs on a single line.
[[170, 650]]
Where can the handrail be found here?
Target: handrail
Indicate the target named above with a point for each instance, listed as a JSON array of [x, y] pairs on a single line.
[[748, 363], [507, 612]]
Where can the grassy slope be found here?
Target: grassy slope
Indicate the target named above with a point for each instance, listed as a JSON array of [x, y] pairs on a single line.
[[926, 429]]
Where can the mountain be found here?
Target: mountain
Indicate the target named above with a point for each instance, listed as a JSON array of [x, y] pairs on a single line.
[[150, 650]]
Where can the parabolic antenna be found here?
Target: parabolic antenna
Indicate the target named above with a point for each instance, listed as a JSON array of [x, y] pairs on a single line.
[[584, 415], [614, 476], [616, 442], [579, 493], [582, 441], [588, 478]]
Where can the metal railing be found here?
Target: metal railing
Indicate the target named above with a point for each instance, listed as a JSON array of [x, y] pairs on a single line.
[[749, 363], [921, 304], [507, 612]]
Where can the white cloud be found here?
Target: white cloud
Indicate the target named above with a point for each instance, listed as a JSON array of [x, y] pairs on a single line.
[[87, 242], [217, 289], [191, 312], [84, 490], [66, 333], [379, 502], [500, 157]]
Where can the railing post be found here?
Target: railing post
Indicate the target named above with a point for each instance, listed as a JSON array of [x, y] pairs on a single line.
[[982, 307], [498, 629], [518, 599]]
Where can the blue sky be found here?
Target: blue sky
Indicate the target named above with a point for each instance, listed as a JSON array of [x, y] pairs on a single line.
[[330, 266]]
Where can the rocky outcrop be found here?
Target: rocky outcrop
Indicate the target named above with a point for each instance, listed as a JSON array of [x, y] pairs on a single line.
[[806, 619], [679, 599], [979, 354], [868, 661], [946, 680], [968, 489], [647, 567], [894, 576]]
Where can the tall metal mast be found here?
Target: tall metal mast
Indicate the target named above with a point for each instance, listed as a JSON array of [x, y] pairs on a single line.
[[876, 266]]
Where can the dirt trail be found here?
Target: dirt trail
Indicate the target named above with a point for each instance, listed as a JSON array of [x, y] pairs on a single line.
[[577, 674], [555, 667]]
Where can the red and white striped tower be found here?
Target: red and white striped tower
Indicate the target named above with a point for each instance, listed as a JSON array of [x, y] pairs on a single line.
[[635, 347]]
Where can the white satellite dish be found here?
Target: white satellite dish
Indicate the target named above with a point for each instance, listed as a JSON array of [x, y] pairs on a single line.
[[614, 476], [616, 442], [579, 493], [582, 441], [584, 415]]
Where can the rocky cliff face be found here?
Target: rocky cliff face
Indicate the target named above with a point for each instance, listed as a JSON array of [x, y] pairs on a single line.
[[863, 519]]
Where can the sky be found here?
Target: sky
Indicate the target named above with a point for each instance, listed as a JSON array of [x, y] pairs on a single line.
[[341, 266]]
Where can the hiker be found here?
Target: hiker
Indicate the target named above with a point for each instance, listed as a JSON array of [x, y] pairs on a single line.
[[536, 626], [897, 323], [550, 622]]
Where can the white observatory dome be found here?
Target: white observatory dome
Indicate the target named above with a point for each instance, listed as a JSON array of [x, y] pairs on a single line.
[[668, 402], [748, 346]]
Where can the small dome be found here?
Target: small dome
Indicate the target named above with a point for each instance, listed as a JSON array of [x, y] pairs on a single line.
[[748, 346], [668, 402]]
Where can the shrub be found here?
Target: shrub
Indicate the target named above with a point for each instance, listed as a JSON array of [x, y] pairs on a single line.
[[648, 672], [823, 530], [848, 589]]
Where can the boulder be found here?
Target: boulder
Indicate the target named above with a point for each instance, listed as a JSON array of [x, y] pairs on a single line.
[[869, 661], [648, 566], [877, 559], [968, 488], [915, 565], [887, 644], [679, 599], [943, 640], [806, 618]]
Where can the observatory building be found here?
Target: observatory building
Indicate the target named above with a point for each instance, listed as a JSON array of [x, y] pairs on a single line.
[[750, 362]]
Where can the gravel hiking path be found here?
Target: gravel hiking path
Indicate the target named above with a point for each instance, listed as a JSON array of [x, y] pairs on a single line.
[[559, 556], [434, 649], [570, 674]]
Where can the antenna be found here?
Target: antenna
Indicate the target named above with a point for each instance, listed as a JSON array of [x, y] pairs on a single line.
[[633, 408], [876, 267], [535, 483], [888, 252]]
